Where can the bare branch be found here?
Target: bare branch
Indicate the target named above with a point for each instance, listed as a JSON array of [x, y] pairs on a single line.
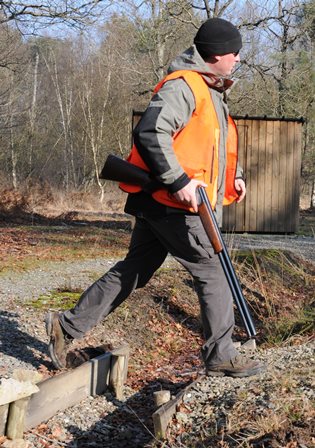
[[71, 12]]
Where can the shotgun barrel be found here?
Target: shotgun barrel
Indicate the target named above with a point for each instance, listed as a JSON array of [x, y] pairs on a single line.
[[219, 247]]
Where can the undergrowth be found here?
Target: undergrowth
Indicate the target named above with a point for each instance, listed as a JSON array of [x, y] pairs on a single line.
[[279, 288]]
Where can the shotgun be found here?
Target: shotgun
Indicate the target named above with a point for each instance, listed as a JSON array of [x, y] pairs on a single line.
[[120, 170]]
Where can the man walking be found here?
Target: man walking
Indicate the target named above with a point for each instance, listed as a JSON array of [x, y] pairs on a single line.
[[186, 139]]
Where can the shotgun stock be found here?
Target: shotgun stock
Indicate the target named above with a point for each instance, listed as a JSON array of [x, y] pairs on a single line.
[[117, 169], [120, 170]]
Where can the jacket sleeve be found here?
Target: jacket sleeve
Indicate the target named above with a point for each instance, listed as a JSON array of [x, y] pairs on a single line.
[[239, 172], [169, 111]]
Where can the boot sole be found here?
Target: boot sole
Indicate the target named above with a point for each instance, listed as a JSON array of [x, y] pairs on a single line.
[[254, 371], [51, 348]]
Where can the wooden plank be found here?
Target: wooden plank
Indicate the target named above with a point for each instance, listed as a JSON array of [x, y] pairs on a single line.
[[248, 174], [16, 418], [282, 212], [269, 175], [118, 370], [289, 181], [272, 161], [163, 416], [3, 418], [161, 397], [100, 372], [261, 176], [275, 177], [253, 148], [67, 389], [297, 155]]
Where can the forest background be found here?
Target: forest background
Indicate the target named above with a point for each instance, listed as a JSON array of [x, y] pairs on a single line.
[[71, 72]]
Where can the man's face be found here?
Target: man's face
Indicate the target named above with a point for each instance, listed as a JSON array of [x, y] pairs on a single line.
[[223, 65]]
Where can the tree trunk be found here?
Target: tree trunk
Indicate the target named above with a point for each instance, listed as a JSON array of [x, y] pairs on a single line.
[[33, 116]]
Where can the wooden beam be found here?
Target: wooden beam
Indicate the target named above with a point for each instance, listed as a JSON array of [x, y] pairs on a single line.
[[16, 418], [67, 389], [118, 370], [3, 418], [163, 416]]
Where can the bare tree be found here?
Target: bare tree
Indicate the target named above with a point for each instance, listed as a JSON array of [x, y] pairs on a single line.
[[93, 97], [65, 113], [66, 97], [32, 16], [214, 8], [163, 28], [33, 112]]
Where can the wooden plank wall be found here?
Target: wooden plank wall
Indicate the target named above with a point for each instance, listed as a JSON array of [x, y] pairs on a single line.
[[270, 153]]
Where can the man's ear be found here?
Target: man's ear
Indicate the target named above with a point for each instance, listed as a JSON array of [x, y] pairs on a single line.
[[213, 59]]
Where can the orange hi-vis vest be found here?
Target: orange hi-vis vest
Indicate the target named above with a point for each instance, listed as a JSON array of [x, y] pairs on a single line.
[[197, 146]]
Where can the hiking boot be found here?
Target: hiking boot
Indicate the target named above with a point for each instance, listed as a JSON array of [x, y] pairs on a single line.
[[237, 367], [59, 340]]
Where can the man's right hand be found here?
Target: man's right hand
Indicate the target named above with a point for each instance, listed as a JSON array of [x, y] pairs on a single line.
[[187, 195]]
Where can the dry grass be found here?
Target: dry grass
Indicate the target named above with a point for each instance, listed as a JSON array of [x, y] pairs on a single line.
[[279, 288], [44, 200]]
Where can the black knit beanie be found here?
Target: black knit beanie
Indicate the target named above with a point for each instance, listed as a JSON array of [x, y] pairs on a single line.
[[217, 37]]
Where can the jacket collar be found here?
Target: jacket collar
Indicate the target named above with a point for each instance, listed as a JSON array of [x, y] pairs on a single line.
[[219, 84]]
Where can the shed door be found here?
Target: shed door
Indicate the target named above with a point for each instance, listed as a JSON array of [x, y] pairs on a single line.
[[270, 153]]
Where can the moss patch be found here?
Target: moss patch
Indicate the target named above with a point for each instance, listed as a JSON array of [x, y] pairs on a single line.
[[58, 300]]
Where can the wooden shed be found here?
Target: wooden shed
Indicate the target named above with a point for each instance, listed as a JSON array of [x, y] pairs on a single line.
[[270, 153]]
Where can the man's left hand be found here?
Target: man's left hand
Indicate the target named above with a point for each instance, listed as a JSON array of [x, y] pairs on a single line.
[[240, 187]]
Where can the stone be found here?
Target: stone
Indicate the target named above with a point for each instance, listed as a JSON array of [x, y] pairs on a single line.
[[181, 417], [161, 397], [249, 345]]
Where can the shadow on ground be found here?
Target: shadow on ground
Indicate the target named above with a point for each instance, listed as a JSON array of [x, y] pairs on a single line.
[[117, 221], [18, 344], [130, 425]]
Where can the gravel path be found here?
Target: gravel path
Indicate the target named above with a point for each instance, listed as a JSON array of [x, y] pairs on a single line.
[[257, 400], [303, 246], [52, 275], [103, 421], [80, 274]]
